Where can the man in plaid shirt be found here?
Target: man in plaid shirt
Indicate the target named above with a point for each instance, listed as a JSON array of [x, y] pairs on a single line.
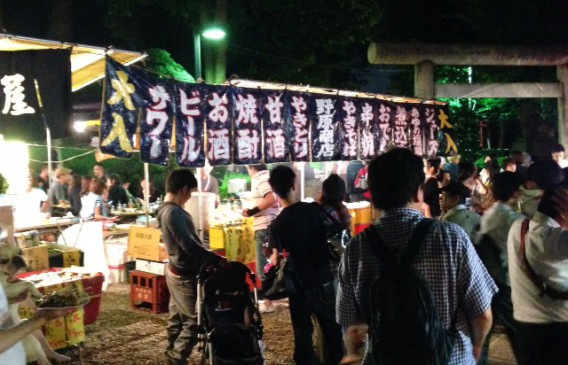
[[461, 287]]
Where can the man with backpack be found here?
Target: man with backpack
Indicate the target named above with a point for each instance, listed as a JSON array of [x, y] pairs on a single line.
[[417, 283]]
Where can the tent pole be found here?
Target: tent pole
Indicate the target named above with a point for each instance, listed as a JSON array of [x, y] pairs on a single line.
[[146, 193], [302, 180], [47, 131], [199, 217]]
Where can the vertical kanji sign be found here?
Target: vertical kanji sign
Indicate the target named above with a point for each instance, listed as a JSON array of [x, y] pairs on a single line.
[[190, 119], [247, 122], [219, 125], [277, 123]]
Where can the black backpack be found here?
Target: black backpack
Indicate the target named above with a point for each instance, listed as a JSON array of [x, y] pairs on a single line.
[[404, 326]]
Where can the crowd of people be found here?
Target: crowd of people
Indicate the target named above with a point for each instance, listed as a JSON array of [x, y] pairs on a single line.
[[90, 197], [496, 253], [471, 258]]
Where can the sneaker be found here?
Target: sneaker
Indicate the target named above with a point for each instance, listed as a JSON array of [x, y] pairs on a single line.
[[263, 308]]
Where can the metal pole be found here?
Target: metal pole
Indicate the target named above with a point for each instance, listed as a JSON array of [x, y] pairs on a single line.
[[197, 52], [147, 193], [47, 130], [199, 202]]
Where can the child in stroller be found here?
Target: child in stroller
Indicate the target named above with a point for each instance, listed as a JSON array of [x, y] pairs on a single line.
[[227, 315]]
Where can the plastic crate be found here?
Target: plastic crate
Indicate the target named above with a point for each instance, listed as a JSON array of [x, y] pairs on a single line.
[[148, 292]]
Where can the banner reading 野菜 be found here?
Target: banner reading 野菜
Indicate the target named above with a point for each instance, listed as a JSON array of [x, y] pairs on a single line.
[[238, 125]]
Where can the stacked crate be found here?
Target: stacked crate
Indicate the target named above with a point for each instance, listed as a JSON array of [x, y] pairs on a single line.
[[148, 289], [148, 292]]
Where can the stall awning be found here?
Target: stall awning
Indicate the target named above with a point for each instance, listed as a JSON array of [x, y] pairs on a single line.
[[87, 62]]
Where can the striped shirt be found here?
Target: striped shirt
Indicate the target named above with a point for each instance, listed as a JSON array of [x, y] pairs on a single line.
[[459, 282]]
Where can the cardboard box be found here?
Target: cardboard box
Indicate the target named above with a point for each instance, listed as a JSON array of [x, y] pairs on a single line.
[[152, 267], [36, 258], [69, 256], [144, 243]]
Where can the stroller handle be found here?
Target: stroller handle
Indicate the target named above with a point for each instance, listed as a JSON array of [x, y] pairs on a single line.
[[210, 267]]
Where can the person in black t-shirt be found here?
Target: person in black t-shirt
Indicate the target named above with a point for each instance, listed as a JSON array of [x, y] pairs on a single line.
[[116, 193], [299, 230], [431, 189]]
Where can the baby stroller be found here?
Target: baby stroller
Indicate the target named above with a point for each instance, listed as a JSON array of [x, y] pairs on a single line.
[[230, 326]]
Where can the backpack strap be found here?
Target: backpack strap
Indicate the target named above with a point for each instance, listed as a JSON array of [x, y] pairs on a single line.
[[537, 281], [416, 240], [386, 257]]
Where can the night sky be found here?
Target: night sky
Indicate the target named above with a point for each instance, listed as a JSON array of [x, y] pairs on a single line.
[[321, 42]]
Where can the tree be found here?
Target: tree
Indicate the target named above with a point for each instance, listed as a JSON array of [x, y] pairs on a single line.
[[162, 63]]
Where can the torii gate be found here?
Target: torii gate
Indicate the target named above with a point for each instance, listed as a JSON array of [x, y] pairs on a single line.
[[425, 56]]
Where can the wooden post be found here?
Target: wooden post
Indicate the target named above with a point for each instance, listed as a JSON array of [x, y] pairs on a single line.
[[562, 73], [424, 80]]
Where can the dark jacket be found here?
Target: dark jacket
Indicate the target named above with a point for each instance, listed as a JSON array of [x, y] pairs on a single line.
[[185, 249]]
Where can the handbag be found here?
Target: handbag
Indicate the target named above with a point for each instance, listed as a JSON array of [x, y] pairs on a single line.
[[336, 238], [274, 281]]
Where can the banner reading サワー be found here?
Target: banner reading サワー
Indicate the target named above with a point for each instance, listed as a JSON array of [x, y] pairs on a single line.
[[231, 124], [20, 114]]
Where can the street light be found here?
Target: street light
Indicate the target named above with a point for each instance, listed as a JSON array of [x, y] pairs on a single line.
[[212, 33], [215, 34]]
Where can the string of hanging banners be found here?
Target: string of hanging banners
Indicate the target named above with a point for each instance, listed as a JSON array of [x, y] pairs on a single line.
[[248, 122]]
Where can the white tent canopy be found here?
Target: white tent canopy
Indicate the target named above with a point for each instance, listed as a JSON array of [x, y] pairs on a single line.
[[87, 62]]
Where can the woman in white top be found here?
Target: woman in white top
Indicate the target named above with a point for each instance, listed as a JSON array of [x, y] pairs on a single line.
[[93, 206]]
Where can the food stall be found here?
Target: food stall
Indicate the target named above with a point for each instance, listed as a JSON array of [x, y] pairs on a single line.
[[246, 122]]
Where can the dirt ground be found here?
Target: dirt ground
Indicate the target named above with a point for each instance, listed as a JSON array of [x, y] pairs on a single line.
[[132, 337], [123, 336]]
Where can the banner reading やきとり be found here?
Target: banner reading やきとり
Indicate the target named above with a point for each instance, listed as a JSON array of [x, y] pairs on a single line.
[[230, 124]]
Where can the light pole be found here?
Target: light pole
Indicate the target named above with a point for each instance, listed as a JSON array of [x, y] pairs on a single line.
[[213, 33]]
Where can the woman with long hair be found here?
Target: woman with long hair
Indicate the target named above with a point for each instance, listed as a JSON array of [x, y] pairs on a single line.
[[331, 199], [93, 206], [116, 193], [74, 194]]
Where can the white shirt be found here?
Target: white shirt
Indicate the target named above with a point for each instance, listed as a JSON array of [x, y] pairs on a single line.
[[16, 354], [260, 187], [529, 200], [465, 218], [496, 222], [28, 206], [563, 163], [547, 253], [88, 204]]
